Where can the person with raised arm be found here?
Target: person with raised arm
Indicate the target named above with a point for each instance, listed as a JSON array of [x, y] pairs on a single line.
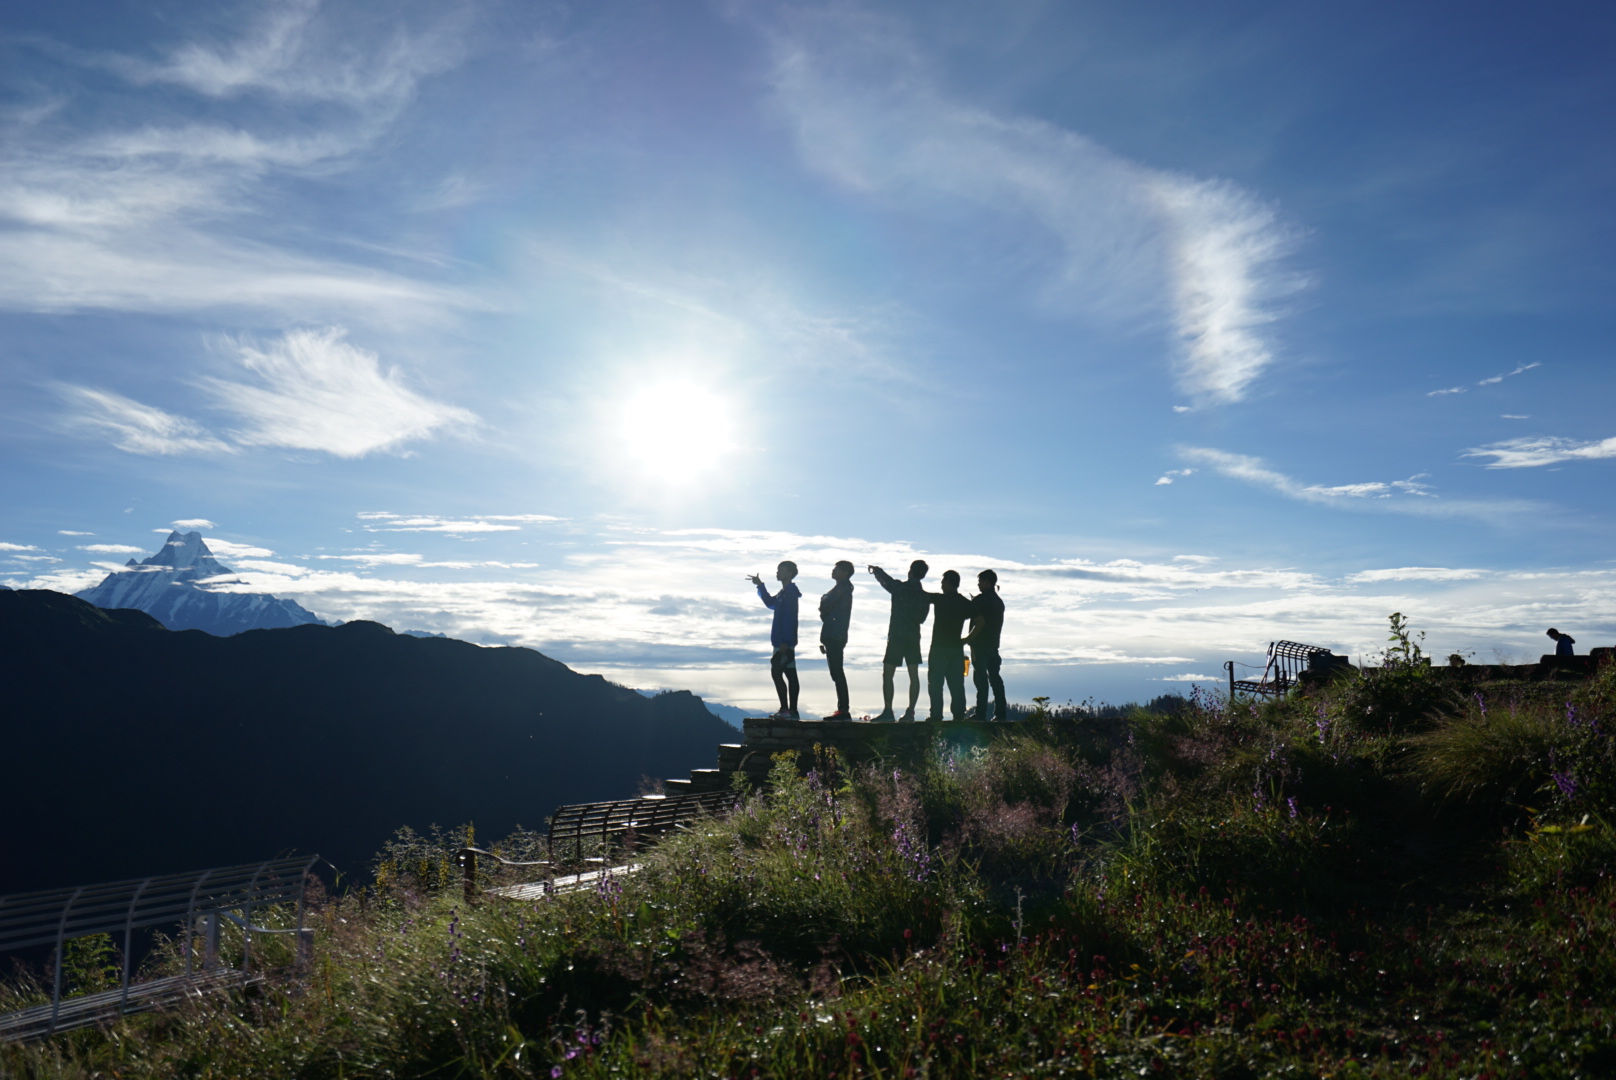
[[987, 623], [909, 608], [945, 660], [783, 636], [835, 616]]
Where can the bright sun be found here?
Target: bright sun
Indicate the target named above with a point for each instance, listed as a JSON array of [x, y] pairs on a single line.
[[675, 432]]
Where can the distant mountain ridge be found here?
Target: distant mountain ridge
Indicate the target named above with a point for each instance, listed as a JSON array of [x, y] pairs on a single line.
[[169, 586], [135, 750]]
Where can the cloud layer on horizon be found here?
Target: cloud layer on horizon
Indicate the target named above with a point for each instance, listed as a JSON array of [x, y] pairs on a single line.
[[670, 607]]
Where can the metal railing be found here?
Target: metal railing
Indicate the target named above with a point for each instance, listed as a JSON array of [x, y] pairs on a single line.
[[230, 893], [627, 820], [1287, 660]]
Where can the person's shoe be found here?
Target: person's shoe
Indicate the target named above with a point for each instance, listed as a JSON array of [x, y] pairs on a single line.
[[934, 719], [908, 717], [783, 714], [886, 717], [839, 714]]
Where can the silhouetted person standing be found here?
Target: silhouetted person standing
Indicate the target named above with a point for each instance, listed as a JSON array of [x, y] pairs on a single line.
[[945, 660], [783, 636], [835, 616], [909, 607], [1564, 644], [987, 623]]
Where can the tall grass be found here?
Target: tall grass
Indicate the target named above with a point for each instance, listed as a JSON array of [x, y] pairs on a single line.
[[1229, 890]]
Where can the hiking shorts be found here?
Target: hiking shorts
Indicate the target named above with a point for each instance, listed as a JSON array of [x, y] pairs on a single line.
[[901, 651]]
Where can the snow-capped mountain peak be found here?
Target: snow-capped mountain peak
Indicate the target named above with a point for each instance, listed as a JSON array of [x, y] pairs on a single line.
[[171, 586]]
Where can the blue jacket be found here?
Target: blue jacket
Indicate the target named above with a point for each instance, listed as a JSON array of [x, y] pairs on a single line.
[[784, 604]]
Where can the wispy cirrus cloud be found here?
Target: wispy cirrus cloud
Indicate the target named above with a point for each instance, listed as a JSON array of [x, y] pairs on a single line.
[[317, 391], [1490, 381], [868, 111], [310, 390], [1531, 453], [161, 214], [112, 549], [1410, 496], [135, 427], [383, 521], [1500, 378]]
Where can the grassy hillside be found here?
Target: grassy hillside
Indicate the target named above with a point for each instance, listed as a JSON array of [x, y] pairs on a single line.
[[1386, 878]]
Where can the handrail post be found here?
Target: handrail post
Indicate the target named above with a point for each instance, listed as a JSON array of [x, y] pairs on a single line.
[[61, 955], [128, 943], [190, 922], [246, 917], [305, 936], [210, 941]]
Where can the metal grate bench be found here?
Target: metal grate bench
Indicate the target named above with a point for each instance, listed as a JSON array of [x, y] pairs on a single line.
[[200, 899], [1287, 660], [619, 820]]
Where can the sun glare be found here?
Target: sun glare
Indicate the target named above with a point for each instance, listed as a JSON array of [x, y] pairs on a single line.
[[676, 432]]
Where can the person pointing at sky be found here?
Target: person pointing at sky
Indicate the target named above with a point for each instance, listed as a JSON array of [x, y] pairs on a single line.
[[910, 604], [783, 636]]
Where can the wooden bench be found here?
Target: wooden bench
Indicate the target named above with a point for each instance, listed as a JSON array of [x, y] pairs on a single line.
[[199, 901], [1287, 662], [621, 821]]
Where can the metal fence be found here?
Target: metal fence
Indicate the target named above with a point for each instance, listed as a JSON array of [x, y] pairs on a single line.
[[199, 897]]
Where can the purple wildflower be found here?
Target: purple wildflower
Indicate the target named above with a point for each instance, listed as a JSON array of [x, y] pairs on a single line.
[[1291, 803], [1566, 783]]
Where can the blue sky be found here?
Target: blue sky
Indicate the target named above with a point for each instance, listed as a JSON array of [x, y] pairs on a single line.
[[1205, 324]]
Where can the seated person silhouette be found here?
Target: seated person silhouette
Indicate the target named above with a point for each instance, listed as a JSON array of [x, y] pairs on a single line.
[[987, 623], [1564, 644], [909, 608], [783, 636], [835, 615], [945, 660]]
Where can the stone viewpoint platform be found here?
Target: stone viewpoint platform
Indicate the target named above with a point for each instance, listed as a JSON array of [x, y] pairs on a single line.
[[855, 741]]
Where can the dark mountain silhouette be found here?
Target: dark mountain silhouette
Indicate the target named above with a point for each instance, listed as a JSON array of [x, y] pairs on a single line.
[[131, 749], [172, 587]]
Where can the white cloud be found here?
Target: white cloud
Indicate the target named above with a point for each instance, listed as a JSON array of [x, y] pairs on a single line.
[[382, 521], [867, 111], [137, 428], [1514, 416], [1192, 678], [1449, 390], [1507, 374], [70, 532], [1396, 496], [149, 217], [111, 549], [194, 523], [671, 608], [290, 54], [318, 392], [1414, 573], [228, 549], [1167, 477], [1529, 453], [17, 547]]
